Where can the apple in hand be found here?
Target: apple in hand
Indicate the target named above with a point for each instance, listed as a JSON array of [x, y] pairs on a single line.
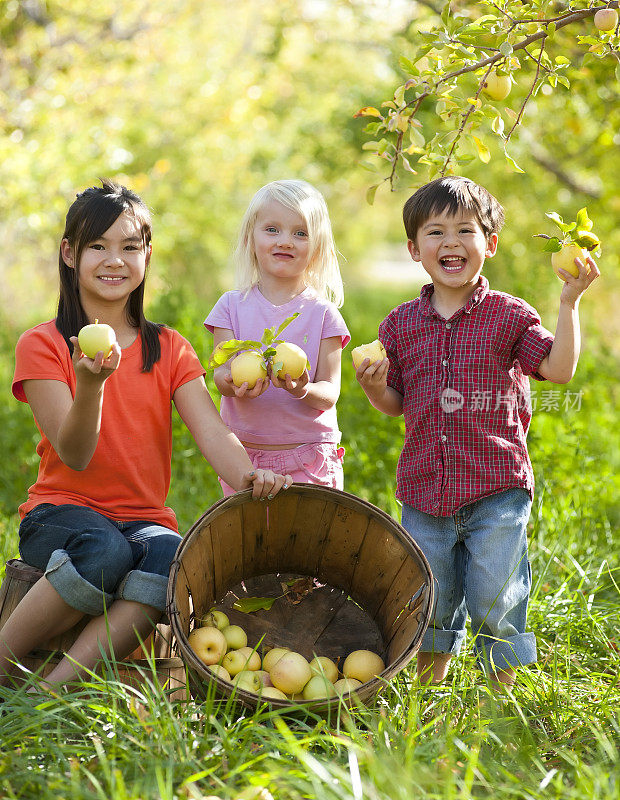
[[374, 351], [96, 338], [565, 259], [235, 636], [248, 367], [606, 19], [209, 644], [215, 619], [362, 665], [290, 673], [292, 358], [321, 665]]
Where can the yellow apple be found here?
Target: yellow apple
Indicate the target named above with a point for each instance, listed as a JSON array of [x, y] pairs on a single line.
[[209, 644], [254, 793], [497, 87], [318, 687], [234, 662], [293, 360], [290, 673], [347, 685], [270, 658], [220, 671], [96, 338], [362, 665], [248, 367], [215, 619], [321, 665], [272, 692], [235, 636], [374, 351], [252, 658], [565, 259], [264, 677], [606, 19], [248, 680]]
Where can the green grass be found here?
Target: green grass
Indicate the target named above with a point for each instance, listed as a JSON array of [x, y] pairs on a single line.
[[556, 735]]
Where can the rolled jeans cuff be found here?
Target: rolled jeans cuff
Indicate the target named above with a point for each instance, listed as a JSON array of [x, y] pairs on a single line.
[[144, 587], [509, 653], [75, 590], [437, 640]]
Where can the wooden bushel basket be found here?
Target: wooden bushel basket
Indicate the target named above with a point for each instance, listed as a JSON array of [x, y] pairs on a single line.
[[20, 577], [370, 586]]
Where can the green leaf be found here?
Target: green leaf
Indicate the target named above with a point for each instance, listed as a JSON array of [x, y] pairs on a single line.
[[286, 322], [370, 194], [249, 604], [563, 226], [552, 245], [484, 154], [268, 336], [583, 221]]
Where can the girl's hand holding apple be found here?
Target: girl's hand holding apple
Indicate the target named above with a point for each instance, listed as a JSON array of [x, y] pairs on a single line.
[[99, 365], [244, 390], [296, 387]]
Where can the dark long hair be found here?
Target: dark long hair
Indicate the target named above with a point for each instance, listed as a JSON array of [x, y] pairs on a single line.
[[90, 215]]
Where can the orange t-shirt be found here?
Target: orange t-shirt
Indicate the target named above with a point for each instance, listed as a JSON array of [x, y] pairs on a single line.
[[128, 476]]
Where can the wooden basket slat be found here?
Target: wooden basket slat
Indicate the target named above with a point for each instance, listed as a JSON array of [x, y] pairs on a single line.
[[310, 532], [405, 585], [227, 539], [279, 541], [199, 571], [254, 521], [381, 556], [341, 550]]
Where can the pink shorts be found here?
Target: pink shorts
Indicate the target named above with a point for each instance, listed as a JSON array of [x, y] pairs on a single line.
[[319, 463]]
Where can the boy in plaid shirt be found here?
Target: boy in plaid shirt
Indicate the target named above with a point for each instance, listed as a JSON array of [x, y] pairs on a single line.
[[457, 367]]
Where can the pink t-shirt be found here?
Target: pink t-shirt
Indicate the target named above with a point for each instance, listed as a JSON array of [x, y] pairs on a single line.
[[275, 417]]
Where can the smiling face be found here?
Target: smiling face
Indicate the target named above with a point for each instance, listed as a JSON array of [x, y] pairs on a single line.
[[452, 249], [281, 244], [112, 266]]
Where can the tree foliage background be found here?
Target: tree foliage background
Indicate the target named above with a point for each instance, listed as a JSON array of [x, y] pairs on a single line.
[[196, 105]]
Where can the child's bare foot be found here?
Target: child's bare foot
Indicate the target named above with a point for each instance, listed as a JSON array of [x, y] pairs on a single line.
[[502, 678], [432, 668]]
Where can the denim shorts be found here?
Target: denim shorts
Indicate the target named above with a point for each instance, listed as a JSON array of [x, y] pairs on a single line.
[[92, 560], [318, 462], [479, 561]]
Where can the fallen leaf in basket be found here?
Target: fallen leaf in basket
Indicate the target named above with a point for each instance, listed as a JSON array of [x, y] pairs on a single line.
[[299, 589], [249, 604]]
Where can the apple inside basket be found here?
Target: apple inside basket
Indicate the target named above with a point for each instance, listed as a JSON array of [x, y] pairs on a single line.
[[345, 576]]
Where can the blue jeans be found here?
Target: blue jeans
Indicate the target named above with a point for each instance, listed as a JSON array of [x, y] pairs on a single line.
[[478, 558], [92, 560]]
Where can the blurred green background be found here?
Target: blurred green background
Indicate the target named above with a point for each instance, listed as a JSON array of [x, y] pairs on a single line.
[[195, 105]]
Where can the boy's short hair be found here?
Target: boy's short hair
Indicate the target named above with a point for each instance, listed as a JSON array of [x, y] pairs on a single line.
[[452, 194]]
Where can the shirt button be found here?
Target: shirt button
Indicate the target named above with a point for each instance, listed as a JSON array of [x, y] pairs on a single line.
[[444, 438], [448, 326], [445, 362]]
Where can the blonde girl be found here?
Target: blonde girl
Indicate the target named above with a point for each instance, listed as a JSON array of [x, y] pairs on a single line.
[[286, 263]]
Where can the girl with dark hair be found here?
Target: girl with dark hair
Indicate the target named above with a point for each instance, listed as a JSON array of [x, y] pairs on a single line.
[[96, 521]]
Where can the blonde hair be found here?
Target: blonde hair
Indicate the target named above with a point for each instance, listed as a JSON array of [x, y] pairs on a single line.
[[323, 271]]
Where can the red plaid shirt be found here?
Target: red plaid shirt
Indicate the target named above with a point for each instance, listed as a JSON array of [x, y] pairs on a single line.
[[466, 396]]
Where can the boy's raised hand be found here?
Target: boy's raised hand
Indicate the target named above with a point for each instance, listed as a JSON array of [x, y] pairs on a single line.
[[574, 287]]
